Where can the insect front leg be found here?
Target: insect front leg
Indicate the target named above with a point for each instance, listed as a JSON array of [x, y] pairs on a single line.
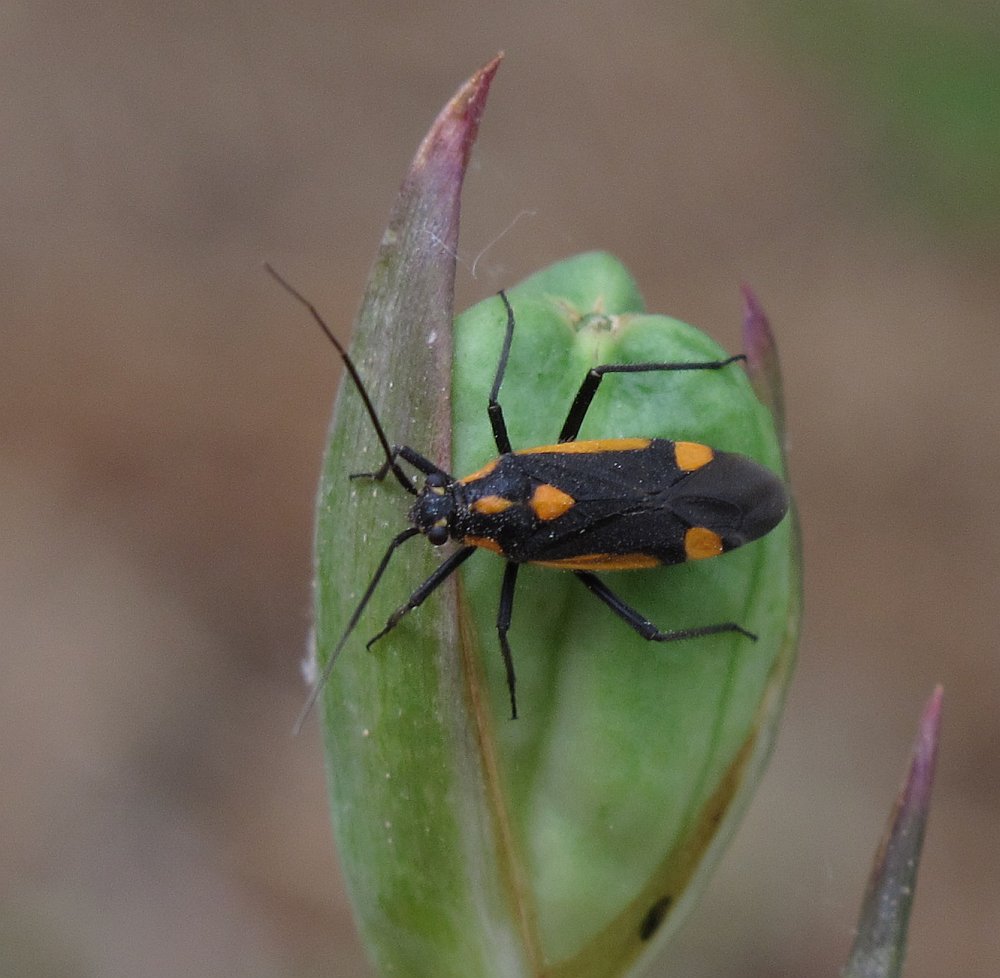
[[418, 461], [646, 628]]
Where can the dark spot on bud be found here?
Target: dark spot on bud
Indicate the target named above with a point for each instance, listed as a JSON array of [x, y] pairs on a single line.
[[654, 917]]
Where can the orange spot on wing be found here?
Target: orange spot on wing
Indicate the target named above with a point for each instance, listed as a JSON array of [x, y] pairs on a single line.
[[585, 447], [550, 503], [602, 562], [691, 456], [700, 542]]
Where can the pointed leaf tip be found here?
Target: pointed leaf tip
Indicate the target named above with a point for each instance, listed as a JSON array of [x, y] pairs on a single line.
[[454, 131], [880, 945], [758, 341], [761, 351], [412, 282], [925, 749]]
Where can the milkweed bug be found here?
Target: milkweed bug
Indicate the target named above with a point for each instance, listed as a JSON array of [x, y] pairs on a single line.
[[581, 506]]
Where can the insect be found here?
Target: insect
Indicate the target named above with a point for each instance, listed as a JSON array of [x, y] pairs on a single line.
[[579, 506]]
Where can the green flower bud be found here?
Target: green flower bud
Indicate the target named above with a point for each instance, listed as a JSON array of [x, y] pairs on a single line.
[[627, 754], [563, 840]]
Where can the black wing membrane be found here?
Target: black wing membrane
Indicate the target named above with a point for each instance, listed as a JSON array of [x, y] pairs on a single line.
[[642, 502], [733, 496]]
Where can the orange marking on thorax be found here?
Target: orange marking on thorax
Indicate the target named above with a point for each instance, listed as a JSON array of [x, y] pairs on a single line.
[[480, 473], [691, 456], [701, 542], [549, 503], [491, 505]]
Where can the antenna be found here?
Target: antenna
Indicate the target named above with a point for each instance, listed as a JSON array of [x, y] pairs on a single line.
[[390, 454]]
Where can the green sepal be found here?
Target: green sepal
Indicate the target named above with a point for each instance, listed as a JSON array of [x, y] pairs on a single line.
[[414, 832]]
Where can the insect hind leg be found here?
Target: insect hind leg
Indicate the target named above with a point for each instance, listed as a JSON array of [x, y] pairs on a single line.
[[493, 409], [644, 626], [585, 395]]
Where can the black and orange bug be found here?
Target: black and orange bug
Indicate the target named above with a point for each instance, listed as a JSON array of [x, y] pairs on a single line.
[[581, 506]]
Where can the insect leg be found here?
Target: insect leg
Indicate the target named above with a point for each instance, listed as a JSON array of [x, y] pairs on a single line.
[[410, 455], [581, 403], [503, 625], [390, 453], [494, 410], [643, 626], [440, 575]]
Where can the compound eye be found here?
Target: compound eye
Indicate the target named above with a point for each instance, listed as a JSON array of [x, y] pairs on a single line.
[[437, 535], [436, 480]]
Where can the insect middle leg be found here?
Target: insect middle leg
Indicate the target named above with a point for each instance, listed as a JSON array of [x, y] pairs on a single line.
[[424, 590], [503, 626], [642, 625]]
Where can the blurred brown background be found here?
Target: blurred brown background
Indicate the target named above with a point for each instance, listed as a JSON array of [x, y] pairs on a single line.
[[164, 408]]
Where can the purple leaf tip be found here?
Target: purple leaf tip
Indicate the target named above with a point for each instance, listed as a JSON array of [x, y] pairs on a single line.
[[880, 944], [761, 352]]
